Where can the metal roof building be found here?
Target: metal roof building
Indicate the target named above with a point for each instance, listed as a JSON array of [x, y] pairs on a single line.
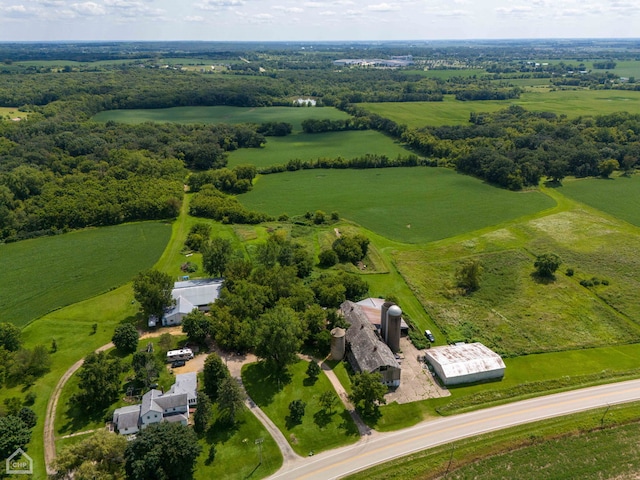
[[465, 363]]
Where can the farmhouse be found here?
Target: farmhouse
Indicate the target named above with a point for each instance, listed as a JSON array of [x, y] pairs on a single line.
[[366, 351], [156, 406], [465, 363], [187, 296]]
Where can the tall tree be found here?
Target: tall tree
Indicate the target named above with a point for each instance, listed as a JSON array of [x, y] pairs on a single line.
[[126, 337], [230, 399], [100, 456], [546, 264], [163, 451], [14, 433], [152, 289], [368, 392], [214, 372], [215, 255], [203, 413], [468, 275], [10, 336], [280, 336], [99, 381], [197, 326]]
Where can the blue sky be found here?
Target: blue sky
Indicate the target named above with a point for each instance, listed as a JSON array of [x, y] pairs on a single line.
[[273, 20]]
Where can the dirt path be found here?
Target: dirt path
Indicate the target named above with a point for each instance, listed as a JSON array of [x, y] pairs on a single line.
[[52, 405]]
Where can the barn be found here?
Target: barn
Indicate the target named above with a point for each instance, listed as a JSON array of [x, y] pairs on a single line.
[[465, 363]]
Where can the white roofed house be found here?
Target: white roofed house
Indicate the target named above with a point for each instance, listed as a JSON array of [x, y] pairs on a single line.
[[156, 407], [187, 296]]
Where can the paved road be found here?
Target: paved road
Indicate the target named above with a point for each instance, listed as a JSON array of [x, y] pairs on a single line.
[[386, 446]]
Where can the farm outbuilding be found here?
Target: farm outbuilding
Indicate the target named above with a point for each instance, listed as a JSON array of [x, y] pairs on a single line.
[[465, 363]]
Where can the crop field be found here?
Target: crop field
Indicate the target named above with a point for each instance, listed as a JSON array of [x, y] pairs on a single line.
[[572, 103], [619, 196], [222, 114], [74, 266], [517, 314], [310, 146], [411, 205], [447, 74]]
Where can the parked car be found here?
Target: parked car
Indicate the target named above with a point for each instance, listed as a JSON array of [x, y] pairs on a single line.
[[429, 335], [178, 363]]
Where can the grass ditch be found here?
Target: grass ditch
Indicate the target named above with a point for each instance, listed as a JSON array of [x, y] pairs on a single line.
[[581, 446]]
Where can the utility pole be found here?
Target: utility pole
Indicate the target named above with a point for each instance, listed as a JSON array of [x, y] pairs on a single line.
[[259, 443]]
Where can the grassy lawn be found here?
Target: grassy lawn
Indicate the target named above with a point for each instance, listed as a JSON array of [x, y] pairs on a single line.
[[311, 146], [412, 205], [74, 266], [237, 454], [319, 430], [573, 446], [222, 114], [618, 196], [572, 103], [11, 112]]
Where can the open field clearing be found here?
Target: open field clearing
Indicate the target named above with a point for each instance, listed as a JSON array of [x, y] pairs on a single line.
[[74, 266], [447, 74], [515, 313], [411, 205], [11, 112], [619, 196], [320, 429], [310, 146], [222, 114], [572, 103]]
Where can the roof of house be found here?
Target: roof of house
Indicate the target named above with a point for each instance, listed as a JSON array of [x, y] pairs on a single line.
[[186, 383], [182, 305], [198, 292], [126, 417], [369, 352], [465, 359], [372, 308], [149, 404], [172, 400]]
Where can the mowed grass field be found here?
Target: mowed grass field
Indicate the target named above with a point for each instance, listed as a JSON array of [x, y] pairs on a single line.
[[74, 266], [572, 103], [411, 205], [222, 114], [515, 313], [11, 112], [310, 146], [619, 196]]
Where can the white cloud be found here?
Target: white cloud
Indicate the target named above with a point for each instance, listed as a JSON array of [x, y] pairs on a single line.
[[288, 9], [219, 4], [88, 9], [383, 7], [518, 10]]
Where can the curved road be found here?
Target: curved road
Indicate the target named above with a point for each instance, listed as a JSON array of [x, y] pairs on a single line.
[[387, 446]]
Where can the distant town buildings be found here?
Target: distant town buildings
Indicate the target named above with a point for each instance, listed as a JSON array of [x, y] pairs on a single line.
[[398, 61]]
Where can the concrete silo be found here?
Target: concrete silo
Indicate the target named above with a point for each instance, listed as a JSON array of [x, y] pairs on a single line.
[[383, 319], [392, 332], [337, 343]]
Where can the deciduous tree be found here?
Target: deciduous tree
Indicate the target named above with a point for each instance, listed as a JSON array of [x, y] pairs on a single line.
[[215, 255], [215, 371], [99, 381], [368, 392], [126, 337], [197, 326], [152, 289], [230, 399], [546, 264], [280, 335], [100, 456]]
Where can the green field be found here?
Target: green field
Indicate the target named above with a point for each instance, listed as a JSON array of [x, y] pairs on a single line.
[[516, 314], [11, 112], [222, 114], [447, 74], [310, 146], [572, 103], [412, 205], [74, 266], [619, 196]]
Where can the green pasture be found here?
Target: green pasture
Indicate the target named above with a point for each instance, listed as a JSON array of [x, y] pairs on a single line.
[[447, 74], [222, 114], [310, 146], [618, 196], [572, 103], [11, 112], [74, 266], [569, 447], [515, 313], [411, 205], [320, 430]]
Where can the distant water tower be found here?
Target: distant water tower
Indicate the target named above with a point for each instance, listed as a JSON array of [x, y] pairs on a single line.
[[392, 328], [337, 343]]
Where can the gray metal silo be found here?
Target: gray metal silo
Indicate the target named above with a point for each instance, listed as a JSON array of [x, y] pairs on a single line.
[[394, 319]]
